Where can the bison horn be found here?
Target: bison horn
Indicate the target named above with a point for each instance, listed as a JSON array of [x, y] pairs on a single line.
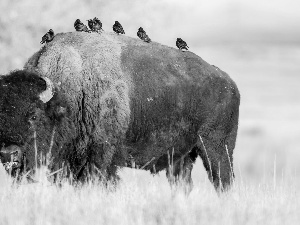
[[46, 95]]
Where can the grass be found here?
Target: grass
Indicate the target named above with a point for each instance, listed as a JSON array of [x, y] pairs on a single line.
[[143, 199]]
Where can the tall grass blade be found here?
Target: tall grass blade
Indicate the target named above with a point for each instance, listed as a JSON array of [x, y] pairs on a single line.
[[35, 150], [230, 164], [209, 163]]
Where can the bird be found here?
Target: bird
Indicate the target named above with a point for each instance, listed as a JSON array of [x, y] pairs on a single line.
[[79, 26], [91, 24], [117, 27], [181, 44], [95, 25], [142, 35], [48, 37], [98, 24]]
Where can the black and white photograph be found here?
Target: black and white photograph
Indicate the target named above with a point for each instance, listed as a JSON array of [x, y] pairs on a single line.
[[149, 112]]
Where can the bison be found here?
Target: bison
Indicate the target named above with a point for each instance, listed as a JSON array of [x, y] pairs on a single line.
[[102, 102]]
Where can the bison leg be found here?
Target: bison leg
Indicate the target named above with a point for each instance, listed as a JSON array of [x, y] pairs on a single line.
[[96, 163], [180, 172], [217, 160]]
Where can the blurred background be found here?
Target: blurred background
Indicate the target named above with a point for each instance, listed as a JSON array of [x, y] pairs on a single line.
[[256, 42]]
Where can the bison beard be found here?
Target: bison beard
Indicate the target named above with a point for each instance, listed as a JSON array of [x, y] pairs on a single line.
[[119, 102]]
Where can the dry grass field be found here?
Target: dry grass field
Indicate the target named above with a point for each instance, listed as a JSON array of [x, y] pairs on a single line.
[[266, 157]]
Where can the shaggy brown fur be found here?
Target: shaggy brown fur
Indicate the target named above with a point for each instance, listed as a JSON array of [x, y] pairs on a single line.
[[144, 100]]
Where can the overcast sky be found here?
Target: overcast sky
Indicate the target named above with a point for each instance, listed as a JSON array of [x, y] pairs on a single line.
[[199, 21], [209, 20]]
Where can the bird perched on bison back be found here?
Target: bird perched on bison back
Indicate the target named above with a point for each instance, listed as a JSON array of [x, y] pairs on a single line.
[[91, 24], [98, 24], [79, 26], [117, 27], [95, 25], [48, 37], [181, 44], [142, 35]]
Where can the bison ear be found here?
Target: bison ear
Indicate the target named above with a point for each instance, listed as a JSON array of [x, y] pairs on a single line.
[[47, 94]]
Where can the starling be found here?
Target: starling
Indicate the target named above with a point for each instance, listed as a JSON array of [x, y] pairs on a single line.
[[98, 24], [181, 44], [48, 37], [91, 24], [79, 26], [95, 25], [142, 35], [117, 27]]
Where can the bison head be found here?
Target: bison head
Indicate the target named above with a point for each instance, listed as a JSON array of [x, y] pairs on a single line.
[[30, 109]]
